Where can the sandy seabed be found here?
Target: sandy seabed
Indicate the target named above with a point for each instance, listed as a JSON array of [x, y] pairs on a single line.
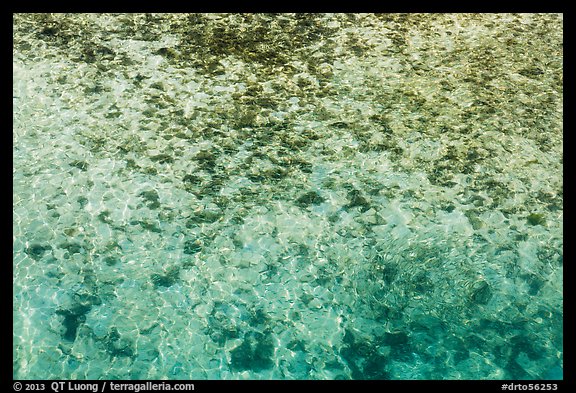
[[316, 196]]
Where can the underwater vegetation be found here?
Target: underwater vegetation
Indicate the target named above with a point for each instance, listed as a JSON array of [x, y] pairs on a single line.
[[288, 196]]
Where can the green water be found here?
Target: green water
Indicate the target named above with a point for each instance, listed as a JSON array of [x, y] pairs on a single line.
[[255, 196]]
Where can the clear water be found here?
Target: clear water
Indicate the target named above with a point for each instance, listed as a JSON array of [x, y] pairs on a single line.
[[287, 196]]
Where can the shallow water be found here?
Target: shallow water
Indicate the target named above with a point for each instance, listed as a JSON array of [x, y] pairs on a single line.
[[287, 196]]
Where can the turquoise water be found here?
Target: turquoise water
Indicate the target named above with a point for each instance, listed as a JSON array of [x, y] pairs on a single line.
[[287, 196]]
